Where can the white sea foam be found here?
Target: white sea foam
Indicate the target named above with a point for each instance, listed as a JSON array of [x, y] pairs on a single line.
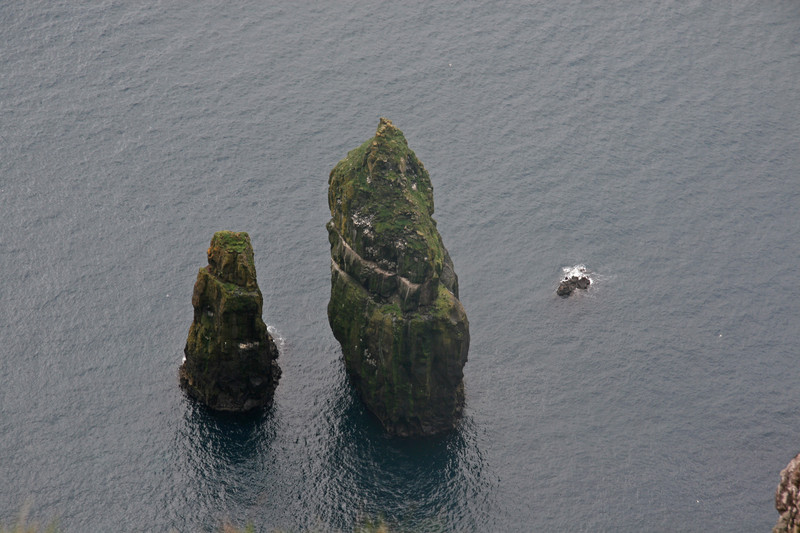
[[577, 271], [277, 337]]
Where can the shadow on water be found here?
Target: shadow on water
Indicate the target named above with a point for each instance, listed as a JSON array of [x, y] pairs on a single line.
[[219, 455], [326, 465], [232, 438], [436, 483]]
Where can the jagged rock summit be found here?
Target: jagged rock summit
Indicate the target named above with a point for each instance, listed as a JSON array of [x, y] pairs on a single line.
[[230, 362], [787, 498], [394, 293]]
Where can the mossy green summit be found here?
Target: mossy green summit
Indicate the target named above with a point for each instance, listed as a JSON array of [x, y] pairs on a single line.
[[394, 293]]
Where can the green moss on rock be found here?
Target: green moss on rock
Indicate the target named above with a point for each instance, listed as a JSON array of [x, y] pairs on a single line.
[[231, 358], [394, 293]]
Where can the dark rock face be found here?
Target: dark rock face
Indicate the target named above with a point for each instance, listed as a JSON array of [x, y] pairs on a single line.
[[787, 498], [394, 293], [570, 283], [230, 360]]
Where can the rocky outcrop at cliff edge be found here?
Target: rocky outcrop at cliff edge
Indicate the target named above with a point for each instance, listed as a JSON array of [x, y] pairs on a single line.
[[787, 498], [394, 293], [230, 362]]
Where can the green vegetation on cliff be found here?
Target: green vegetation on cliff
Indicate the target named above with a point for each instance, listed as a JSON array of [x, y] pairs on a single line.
[[23, 525], [381, 200]]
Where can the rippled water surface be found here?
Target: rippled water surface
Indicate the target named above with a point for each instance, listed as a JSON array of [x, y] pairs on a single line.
[[655, 144]]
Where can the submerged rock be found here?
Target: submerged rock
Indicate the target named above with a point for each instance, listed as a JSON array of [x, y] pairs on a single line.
[[394, 293], [230, 360], [787, 498]]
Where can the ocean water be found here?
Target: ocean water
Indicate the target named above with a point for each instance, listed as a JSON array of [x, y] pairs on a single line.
[[655, 143]]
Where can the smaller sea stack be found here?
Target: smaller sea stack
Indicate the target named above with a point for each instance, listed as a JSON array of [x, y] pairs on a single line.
[[575, 278], [231, 359]]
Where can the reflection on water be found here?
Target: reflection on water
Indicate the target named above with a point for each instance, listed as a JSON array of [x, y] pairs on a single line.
[[415, 484], [231, 438], [221, 455], [331, 473]]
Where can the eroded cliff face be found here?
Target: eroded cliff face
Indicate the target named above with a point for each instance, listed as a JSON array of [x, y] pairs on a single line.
[[787, 498], [230, 357], [394, 293]]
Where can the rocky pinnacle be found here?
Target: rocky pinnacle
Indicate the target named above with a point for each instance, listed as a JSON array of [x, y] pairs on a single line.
[[231, 358], [394, 304]]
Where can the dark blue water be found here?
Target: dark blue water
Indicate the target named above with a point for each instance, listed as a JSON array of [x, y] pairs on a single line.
[[655, 144]]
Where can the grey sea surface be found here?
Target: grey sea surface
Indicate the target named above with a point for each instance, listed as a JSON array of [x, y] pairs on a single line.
[[656, 143]]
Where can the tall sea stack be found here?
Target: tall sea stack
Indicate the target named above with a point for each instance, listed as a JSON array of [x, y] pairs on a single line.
[[394, 294], [231, 358]]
